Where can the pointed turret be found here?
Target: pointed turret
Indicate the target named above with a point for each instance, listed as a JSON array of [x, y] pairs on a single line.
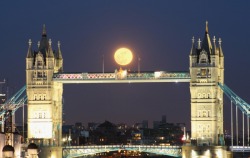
[[29, 53], [193, 49], [214, 48], [220, 48], [59, 53], [50, 51]]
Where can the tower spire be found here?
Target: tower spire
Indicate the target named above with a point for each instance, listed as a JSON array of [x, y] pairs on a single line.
[[44, 30]]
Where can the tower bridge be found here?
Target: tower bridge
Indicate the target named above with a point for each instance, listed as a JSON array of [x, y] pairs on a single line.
[[44, 87], [45, 79]]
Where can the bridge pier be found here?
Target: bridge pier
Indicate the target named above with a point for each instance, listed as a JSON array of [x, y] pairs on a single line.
[[206, 151]]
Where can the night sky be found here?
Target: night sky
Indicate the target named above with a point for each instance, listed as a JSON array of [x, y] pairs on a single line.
[[159, 31]]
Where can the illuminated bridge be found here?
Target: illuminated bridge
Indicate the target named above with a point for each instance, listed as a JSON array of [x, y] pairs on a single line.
[[77, 151]]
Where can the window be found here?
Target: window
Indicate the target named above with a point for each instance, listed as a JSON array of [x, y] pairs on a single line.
[[40, 115], [199, 113], [204, 95], [208, 114], [39, 63], [40, 74], [204, 113], [203, 72], [199, 95], [203, 58]]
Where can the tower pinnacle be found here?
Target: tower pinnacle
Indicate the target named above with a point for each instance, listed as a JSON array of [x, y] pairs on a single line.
[[199, 43], [30, 42], [206, 27], [38, 44], [29, 53], [220, 41], [44, 30], [193, 40]]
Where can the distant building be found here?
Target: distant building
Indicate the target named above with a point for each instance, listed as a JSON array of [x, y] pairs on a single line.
[[93, 125], [156, 124], [145, 124], [164, 119]]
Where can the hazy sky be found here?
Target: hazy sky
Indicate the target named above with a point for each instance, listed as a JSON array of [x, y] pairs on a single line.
[[159, 31]]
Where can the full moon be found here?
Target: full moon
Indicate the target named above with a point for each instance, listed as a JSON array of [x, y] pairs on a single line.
[[123, 56]]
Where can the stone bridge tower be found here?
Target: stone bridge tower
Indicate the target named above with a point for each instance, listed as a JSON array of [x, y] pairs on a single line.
[[44, 96], [206, 70]]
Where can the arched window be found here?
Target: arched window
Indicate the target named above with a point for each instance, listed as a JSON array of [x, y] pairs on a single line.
[[203, 58], [204, 95], [204, 113], [39, 60], [199, 95]]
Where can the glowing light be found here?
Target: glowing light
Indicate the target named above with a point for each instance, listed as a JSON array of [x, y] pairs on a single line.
[[40, 130], [184, 137], [158, 74], [123, 56]]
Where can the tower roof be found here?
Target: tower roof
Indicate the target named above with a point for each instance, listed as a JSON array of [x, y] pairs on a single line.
[[44, 44], [8, 148], [32, 146]]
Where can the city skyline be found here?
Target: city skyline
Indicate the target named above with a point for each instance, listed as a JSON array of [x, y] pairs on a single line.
[[159, 33]]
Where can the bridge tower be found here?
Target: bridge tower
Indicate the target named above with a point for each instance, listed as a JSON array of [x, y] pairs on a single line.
[[44, 96], [206, 70]]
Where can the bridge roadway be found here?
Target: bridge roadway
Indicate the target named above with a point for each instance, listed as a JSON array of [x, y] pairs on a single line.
[[122, 76], [77, 151]]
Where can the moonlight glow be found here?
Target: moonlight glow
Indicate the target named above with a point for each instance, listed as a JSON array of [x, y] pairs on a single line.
[[123, 56]]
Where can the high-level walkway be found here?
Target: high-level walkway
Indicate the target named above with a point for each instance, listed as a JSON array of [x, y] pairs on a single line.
[[122, 76]]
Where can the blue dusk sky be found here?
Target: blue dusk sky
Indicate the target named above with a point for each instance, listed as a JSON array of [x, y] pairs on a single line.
[[159, 31]]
